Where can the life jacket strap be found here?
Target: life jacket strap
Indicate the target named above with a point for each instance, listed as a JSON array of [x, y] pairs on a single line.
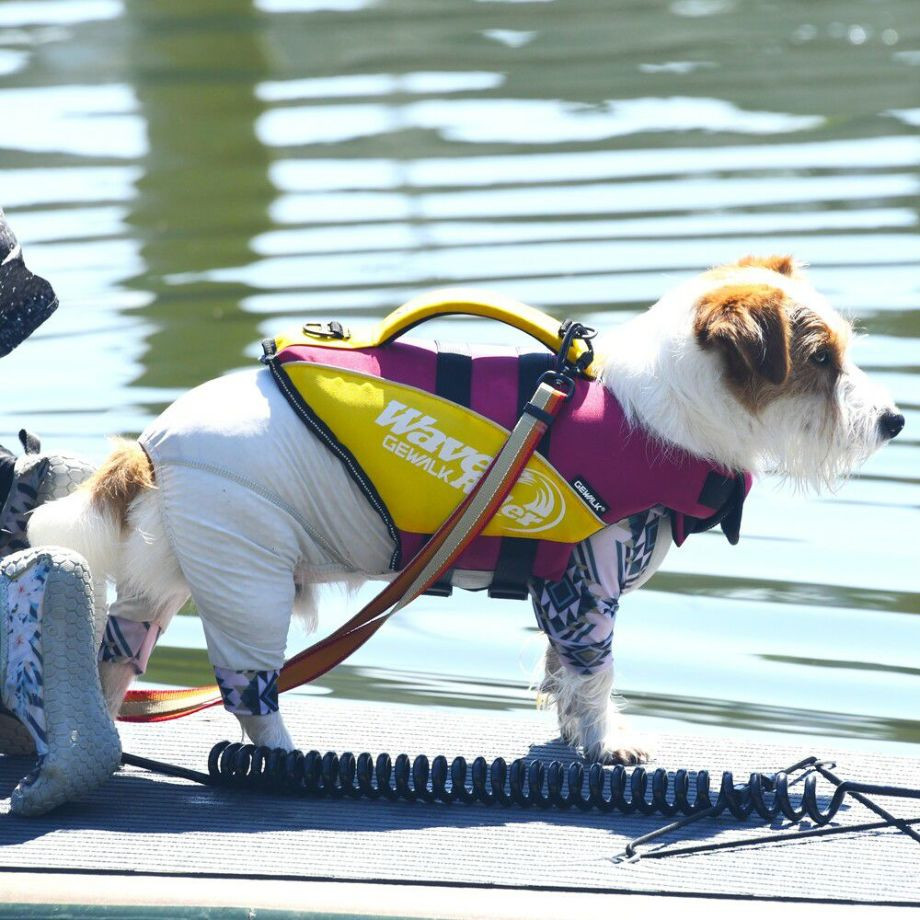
[[516, 555]]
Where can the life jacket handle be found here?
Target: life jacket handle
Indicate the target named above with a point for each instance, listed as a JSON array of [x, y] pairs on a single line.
[[455, 301]]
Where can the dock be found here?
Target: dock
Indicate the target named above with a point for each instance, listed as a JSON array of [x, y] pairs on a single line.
[[149, 842]]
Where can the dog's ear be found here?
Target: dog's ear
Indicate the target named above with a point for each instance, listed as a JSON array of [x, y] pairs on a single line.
[[748, 323], [784, 265]]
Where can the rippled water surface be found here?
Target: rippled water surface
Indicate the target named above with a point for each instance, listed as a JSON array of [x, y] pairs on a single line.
[[192, 177]]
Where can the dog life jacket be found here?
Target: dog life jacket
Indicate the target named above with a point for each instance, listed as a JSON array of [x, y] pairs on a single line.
[[417, 424]]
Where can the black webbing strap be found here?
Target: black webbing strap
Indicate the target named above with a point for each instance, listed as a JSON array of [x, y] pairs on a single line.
[[530, 368], [453, 380], [517, 554], [454, 375]]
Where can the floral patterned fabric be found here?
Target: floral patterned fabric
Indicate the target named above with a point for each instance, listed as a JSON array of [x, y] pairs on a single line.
[[21, 598]]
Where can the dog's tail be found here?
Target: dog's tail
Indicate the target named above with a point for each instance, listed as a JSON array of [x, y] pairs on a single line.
[[92, 520]]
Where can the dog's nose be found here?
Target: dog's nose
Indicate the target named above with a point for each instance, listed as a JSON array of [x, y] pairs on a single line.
[[891, 424]]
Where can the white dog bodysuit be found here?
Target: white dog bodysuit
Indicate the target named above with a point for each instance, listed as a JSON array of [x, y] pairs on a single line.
[[231, 452]]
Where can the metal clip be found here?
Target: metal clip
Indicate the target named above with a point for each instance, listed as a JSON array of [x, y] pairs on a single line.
[[331, 329], [569, 332], [560, 380], [624, 859]]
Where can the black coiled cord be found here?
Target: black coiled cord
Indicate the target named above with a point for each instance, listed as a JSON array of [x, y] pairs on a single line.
[[524, 783]]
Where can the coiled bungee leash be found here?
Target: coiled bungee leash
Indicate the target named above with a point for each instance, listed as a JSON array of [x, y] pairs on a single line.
[[536, 783]]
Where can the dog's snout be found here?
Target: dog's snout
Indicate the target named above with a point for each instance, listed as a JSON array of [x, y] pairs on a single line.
[[891, 424]]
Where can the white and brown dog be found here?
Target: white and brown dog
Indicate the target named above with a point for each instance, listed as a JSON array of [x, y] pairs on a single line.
[[230, 498]]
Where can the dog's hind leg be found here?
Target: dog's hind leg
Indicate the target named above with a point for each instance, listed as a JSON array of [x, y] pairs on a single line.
[[246, 641], [245, 594], [238, 546], [150, 591], [267, 730], [245, 610], [132, 630]]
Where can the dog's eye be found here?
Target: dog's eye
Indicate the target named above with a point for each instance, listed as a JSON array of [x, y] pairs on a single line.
[[821, 356]]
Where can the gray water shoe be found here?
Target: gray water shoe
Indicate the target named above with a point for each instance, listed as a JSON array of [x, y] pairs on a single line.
[[49, 680]]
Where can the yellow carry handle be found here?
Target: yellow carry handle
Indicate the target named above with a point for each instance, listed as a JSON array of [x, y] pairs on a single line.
[[457, 301]]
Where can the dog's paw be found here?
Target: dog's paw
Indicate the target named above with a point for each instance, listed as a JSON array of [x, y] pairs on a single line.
[[267, 731], [569, 729], [619, 750]]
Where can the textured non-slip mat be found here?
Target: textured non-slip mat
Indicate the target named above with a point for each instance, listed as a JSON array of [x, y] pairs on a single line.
[[147, 823]]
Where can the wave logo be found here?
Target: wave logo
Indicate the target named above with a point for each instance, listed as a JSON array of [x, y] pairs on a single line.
[[537, 504]]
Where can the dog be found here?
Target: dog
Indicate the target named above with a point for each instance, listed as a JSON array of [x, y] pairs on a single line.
[[229, 498]]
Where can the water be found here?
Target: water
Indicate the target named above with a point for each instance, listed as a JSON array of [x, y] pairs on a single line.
[[195, 176]]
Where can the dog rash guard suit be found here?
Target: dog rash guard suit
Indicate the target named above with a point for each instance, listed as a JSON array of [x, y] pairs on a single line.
[[577, 612], [238, 475]]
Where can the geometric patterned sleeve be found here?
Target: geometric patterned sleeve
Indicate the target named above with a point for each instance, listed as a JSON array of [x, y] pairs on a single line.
[[248, 693], [577, 612]]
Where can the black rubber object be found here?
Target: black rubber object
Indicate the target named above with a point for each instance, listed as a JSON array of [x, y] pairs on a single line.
[[524, 783]]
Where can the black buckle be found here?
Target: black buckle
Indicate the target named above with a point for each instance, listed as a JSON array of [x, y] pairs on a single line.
[[563, 374], [327, 330], [569, 332], [560, 380], [440, 589], [508, 592]]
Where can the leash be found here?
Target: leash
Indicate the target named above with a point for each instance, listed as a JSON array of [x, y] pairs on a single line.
[[535, 783], [554, 389]]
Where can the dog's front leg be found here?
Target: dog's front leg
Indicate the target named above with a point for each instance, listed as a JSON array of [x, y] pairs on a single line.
[[605, 734], [268, 730], [587, 712], [577, 615]]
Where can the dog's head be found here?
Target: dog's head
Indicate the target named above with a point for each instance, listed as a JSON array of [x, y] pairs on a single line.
[[756, 373]]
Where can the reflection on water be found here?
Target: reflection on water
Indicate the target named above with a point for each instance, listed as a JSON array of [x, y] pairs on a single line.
[[91, 121], [195, 176]]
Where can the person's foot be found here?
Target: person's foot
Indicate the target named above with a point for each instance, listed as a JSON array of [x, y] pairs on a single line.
[[50, 679]]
